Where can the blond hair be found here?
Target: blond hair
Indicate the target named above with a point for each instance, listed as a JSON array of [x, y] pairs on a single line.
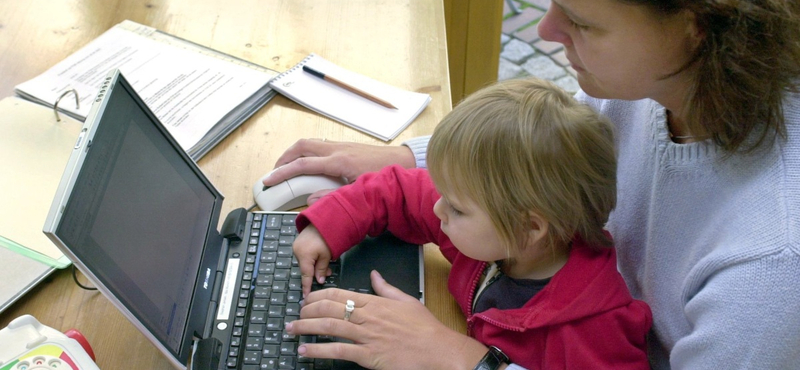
[[523, 146]]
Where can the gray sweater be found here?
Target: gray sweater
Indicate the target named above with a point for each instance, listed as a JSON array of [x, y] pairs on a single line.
[[711, 244]]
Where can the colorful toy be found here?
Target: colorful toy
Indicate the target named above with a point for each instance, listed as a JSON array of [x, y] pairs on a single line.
[[26, 344]]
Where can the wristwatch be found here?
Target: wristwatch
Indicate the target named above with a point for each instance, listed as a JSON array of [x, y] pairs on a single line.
[[492, 360]]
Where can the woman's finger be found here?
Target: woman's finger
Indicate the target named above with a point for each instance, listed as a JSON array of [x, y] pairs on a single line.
[[337, 350], [346, 311], [339, 295]]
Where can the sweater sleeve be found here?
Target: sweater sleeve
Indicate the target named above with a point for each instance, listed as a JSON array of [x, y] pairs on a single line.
[[744, 317], [394, 199], [419, 146]]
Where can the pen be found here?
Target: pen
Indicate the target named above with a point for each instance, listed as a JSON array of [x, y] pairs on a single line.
[[349, 88]]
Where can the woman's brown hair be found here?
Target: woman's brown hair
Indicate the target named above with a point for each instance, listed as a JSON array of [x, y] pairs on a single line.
[[748, 59]]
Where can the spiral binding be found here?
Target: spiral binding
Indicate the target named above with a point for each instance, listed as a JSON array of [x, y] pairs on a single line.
[[291, 70]]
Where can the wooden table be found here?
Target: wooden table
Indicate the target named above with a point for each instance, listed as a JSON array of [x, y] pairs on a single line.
[[400, 42]]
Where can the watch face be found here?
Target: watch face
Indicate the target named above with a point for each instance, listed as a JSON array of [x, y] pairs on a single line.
[[498, 354], [492, 360]]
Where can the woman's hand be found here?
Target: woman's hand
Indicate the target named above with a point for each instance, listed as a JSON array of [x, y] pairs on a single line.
[[391, 330], [338, 159], [313, 257]]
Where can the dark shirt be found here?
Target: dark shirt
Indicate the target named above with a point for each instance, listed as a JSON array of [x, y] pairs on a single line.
[[508, 293]]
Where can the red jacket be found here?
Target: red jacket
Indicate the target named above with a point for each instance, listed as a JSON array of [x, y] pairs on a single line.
[[584, 318]]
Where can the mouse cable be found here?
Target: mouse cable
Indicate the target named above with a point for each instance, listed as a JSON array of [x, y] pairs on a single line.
[[252, 207], [75, 278]]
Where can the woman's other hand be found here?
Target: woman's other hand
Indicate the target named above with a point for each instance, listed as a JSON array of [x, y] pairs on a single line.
[[338, 159]]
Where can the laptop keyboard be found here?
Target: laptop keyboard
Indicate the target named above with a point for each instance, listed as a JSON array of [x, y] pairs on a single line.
[[269, 298]]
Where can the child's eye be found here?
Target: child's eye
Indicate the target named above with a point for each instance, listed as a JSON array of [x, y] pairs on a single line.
[[455, 211]]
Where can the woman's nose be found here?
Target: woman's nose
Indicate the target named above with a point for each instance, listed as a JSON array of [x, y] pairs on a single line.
[[553, 27]]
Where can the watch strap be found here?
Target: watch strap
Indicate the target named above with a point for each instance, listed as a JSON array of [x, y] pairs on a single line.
[[492, 360]]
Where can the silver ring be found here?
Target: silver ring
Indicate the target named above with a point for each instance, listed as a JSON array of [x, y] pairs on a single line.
[[348, 309]]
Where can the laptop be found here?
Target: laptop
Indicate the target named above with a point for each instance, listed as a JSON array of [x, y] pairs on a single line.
[[137, 216]]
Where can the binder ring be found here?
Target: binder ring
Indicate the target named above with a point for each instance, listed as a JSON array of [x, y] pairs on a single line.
[[77, 102]]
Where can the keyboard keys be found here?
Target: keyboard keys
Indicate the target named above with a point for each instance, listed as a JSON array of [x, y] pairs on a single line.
[[278, 298], [270, 350], [264, 280], [272, 337], [259, 304], [274, 221], [258, 317], [270, 246], [281, 273], [275, 323], [280, 286], [292, 309], [277, 311], [286, 337], [252, 357], [287, 362], [261, 292], [294, 272], [294, 296], [285, 252], [254, 344], [271, 235], [256, 331], [268, 364], [269, 297], [268, 257], [289, 349], [266, 269], [287, 220]]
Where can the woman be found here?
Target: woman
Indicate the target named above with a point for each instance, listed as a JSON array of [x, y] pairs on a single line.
[[703, 96]]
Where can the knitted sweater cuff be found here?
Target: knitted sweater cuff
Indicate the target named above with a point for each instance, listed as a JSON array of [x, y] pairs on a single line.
[[419, 147]]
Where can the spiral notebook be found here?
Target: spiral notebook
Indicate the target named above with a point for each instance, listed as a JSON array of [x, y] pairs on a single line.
[[346, 107]]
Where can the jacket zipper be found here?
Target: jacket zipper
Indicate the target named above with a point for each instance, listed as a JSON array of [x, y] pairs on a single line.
[[474, 286], [486, 284], [472, 316]]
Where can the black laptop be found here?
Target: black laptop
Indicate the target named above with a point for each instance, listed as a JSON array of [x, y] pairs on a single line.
[[139, 219]]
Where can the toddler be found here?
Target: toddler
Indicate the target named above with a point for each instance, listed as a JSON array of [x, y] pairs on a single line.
[[520, 183]]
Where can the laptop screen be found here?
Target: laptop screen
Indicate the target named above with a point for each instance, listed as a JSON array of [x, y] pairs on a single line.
[[139, 218]]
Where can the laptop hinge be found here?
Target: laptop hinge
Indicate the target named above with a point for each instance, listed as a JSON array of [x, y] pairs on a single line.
[[207, 354], [233, 227]]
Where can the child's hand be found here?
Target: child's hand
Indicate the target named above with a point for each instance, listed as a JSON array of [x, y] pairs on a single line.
[[313, 255]]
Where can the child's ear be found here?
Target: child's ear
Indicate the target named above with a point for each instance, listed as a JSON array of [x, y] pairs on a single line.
[[538, 229]]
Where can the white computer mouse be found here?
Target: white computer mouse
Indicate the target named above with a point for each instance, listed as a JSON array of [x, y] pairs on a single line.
[[293, 192]]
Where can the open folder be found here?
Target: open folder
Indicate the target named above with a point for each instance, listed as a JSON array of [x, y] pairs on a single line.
[[34, 149], [199, 93]]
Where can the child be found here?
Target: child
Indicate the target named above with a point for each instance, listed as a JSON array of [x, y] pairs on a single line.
[[520, 183]]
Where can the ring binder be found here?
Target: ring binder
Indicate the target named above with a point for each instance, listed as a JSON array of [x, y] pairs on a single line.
[[236, 89], [77, 102]]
